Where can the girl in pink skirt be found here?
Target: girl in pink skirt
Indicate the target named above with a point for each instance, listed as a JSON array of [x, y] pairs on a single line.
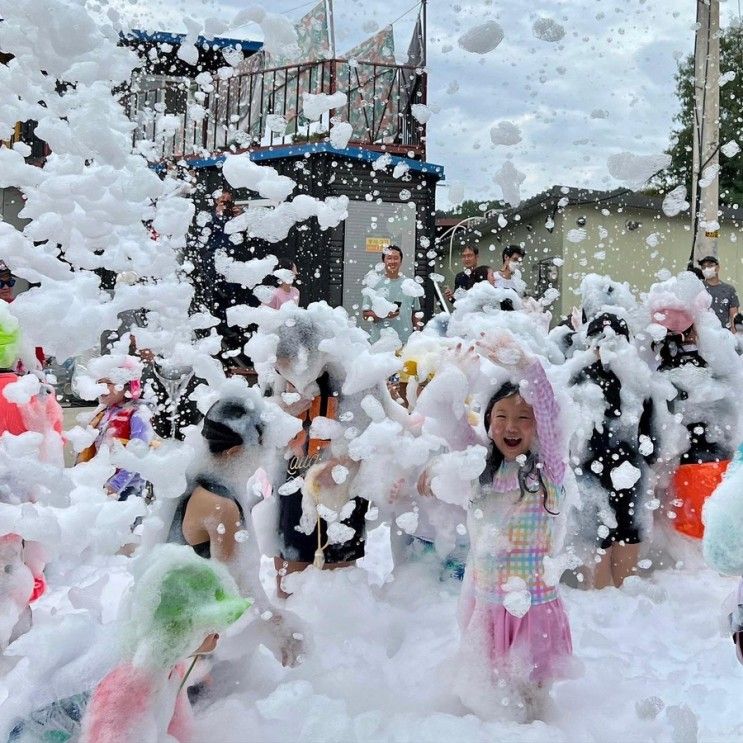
[[515, 632]]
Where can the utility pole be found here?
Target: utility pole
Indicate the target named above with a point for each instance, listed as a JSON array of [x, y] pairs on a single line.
[[706, 146]]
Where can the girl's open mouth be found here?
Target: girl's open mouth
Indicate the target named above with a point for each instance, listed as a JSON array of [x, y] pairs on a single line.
[[511, 443]]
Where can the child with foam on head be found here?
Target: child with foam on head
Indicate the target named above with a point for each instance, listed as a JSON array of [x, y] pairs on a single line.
[[120, 417], [178, 605], [285, 290], [511, 616]]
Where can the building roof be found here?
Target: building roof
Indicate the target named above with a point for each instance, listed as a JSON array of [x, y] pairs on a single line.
[[300, 150], [549, 201], [448, 221], [166, 37], [166, 61]]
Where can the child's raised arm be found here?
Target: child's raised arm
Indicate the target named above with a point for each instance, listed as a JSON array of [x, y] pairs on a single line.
[[537, 391]]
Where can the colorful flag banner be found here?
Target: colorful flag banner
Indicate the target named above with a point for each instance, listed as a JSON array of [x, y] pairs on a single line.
[[313, 39], [369, 79], [417, 48]]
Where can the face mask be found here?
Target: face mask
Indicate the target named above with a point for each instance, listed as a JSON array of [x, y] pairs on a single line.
[[515, 265], [709, 272]]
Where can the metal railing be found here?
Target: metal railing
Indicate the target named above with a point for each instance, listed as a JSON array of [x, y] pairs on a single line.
[[181, 120]]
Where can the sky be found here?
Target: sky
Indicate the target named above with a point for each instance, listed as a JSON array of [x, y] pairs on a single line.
[[606, 87]]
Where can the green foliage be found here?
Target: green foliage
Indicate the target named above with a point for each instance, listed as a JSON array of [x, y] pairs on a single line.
[[731, 121]]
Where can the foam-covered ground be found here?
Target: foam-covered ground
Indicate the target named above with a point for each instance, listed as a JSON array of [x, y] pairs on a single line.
[[654, 667], [653, 663]]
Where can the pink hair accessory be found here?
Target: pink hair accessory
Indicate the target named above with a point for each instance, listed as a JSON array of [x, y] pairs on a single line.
[[675, 320]]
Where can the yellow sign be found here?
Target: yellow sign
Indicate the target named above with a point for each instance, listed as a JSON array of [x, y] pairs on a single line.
[[377, 244]]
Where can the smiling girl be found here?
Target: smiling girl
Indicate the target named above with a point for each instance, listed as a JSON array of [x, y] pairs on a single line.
[[511, 617], [120, 417]]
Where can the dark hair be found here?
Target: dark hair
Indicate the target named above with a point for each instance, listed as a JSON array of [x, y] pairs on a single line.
[[607, 319], [474, 248], [393, 247], [285, 263], [281, 263], [304, 334], [218, 434], [479, 274], [495, 456], [696, 271], [738, 319], [510, 250]]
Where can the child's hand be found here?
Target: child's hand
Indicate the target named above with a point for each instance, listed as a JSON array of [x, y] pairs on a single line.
[[424, 484], [396, 491], [502, 348], [394, 390], [576, 319], [290, 632], [294, 404], [465, 359]]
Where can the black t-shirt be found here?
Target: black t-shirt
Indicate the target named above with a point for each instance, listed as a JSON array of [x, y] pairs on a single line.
[[464, 280], [307, 452], [470, 276], [604, 441], [724, 298]]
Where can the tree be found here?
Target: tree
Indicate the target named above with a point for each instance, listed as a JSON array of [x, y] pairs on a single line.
[[731, 121]]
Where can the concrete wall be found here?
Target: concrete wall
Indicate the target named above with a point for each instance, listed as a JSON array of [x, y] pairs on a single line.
[[609, 247], [533, 235], [636, 256]]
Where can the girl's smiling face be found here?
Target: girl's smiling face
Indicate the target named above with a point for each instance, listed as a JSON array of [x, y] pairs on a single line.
[[115, 396], [512, 427]]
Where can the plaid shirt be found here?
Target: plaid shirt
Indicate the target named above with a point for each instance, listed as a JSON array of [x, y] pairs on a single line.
[[511, 534]]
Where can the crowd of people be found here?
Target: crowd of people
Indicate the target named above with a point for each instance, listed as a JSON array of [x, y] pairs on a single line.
[[507, 277], [559, 445]]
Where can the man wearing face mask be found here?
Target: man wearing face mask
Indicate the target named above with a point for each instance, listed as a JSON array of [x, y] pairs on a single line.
[[724, 297], [509, 276]]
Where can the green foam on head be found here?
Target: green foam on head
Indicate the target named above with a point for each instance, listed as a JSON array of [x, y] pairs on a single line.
[[192, 598]]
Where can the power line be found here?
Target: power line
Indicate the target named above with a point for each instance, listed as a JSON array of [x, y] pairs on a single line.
[[404, 14], [298, 7], [313, 2], [281, 12]]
